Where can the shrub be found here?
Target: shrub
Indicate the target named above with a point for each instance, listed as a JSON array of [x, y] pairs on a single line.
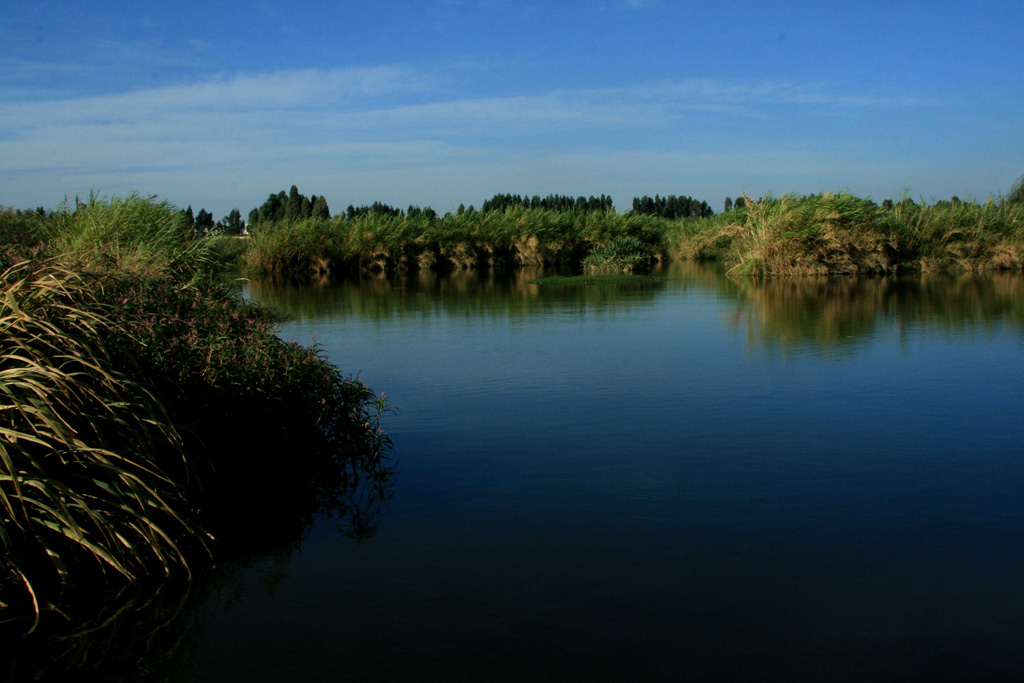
[[622, 255]]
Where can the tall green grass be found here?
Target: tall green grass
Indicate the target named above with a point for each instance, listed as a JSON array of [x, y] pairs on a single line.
[[514, 238], [829, 234], [131, 234]]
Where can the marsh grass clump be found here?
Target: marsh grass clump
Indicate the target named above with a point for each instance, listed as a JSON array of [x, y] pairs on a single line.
[[622, 255], [89, 462], [142, 404], [961, 236], [129, 234], [841, 234], [21, 235], [814, 235], [396, 242]]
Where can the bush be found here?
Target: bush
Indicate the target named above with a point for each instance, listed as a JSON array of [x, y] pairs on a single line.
[[623, 255]]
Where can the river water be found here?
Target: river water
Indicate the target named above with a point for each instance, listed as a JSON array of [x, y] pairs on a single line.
[[693, 478]]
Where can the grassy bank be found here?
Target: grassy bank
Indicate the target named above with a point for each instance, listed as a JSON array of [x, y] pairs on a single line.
[[143, 407], [832, 234], [790, 235], [502, 240]]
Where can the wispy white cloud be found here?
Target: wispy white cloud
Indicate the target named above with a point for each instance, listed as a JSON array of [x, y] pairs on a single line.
[[227, 133]]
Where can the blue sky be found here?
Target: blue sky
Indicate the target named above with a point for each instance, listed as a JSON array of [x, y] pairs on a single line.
[[441, 102]]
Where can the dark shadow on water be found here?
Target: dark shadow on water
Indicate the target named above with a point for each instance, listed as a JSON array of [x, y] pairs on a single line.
[[146, 631]]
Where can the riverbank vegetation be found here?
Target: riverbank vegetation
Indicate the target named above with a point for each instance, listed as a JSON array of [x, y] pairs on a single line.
[[822, 234], [147, 416], [841, 234]]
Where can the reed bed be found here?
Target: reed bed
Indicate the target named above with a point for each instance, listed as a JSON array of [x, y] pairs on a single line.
[[823, 234], [127, 234], [141, 405], [841, 234], [514, 238], [84, 450]]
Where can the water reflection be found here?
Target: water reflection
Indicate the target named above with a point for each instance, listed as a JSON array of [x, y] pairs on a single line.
[[429, 294], [145, 630], [753, 519], [837, 313], [830, 313]]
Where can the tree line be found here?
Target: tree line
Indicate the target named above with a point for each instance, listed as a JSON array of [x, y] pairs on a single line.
[[671, 207], [552, 202], [294, 206]]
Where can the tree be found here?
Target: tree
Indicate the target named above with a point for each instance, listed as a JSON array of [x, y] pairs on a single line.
[[204, 222], [320, 209], [293, 207], [728, 205], [254, 218], [231, 224], [189, 218]]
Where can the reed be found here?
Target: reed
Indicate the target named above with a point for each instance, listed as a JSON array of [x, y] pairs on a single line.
[[134, 390], [621, 255], [132, 234], [84, 450], [830, 234], [387, 243]]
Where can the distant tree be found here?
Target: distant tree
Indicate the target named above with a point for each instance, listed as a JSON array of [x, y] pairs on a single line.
[[728, 205], [293, 207], [461, 210], [740, 203], [553, 202], [254, 218], [320, 209], [887, 205], [204, 222], [273, 209], [378, 208], [189, 218], [231, 224], [671, 207]]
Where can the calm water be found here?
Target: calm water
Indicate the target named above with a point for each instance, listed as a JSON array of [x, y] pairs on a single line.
[[698, 479]]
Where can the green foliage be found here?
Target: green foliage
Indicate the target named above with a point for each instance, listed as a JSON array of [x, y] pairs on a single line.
[[843, 234], [131, 233], [231, 224], [321, 211], [552, 202], [671, 207], [390, 241], [622, 255], [215, 362], [21, 235], [203, 224]]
